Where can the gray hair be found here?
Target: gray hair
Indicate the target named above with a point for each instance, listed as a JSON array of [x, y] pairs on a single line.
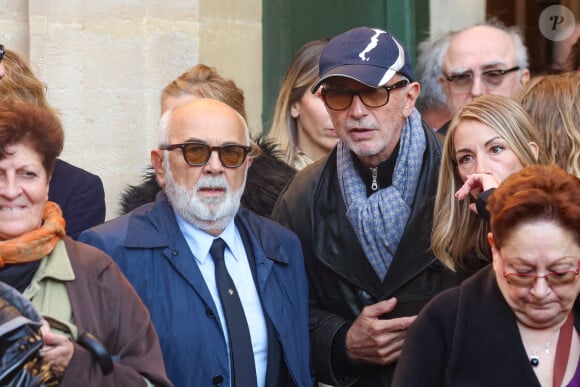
[[163, 129], [429, 68]]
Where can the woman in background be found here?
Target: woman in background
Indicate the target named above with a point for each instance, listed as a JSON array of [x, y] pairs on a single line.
[[301, 124], [488, 139], [553, 104]]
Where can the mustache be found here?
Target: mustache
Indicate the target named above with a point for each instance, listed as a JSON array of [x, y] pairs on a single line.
[[361, 123], [212, 182]]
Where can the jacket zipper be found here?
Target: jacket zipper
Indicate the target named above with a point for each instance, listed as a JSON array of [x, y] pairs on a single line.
[[374, 183]]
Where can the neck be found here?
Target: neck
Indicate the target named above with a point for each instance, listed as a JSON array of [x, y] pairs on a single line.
[[312, 150], [540, 343]]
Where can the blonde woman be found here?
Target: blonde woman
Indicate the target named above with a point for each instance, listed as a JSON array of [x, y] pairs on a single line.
[[553, 104], [489, 139], [301, 124]]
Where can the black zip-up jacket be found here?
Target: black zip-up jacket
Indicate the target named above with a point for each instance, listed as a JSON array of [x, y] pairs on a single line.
[[341, 279]]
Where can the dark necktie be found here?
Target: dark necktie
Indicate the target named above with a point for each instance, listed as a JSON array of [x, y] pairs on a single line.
[[242, 354]]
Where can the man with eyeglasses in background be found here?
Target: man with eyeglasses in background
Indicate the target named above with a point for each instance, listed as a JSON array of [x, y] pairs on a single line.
[[364, 213], [484, 59], [226, 288]]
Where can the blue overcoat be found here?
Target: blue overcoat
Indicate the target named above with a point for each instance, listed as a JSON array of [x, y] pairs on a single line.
[[153, 254]]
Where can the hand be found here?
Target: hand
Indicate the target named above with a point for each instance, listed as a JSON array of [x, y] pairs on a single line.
[[57, 350], [376, 341], [474, 185]]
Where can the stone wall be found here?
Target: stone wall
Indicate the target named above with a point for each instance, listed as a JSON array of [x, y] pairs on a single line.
[[105, 63]]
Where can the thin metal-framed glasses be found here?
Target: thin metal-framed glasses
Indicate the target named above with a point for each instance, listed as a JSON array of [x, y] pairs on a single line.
[[197, 154], [553, 278], [492, 79], [341, 99]]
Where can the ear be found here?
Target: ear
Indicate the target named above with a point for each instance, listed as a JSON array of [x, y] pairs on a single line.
[[494, 251], [525, 77], [490, 240], [250, 161], [535, 149], [157, 162], [411, 96], [295, 110]]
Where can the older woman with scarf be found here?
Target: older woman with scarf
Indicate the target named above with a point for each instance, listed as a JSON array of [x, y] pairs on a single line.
[[97, 330], [515, 322]]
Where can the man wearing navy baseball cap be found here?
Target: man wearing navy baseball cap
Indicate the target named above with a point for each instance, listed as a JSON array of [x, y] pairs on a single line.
[[364, 213]]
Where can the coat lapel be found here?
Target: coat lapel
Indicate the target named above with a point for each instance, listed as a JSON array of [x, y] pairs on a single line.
[[163, 233]]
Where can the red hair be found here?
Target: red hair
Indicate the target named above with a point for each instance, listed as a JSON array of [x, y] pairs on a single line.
[[538, 192]]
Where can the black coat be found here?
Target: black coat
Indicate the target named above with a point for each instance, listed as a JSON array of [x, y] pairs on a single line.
[[467, 336], [80, 195], [341, 279]]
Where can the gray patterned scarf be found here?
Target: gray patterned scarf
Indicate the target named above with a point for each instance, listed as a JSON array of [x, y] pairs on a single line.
[[380, 219]]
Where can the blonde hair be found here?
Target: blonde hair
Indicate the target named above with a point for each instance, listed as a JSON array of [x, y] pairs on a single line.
[[456, 229], [204, 82], [553, 104], [19, 84], [300, 76]]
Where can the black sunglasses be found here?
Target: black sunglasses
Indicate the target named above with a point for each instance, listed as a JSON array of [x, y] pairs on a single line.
[[2, 52], [341, 99], [197, 154]]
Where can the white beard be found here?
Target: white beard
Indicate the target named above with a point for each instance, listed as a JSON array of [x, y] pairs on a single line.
[[207, 214]]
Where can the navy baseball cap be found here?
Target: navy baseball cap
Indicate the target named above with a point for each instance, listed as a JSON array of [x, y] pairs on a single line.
[[368, 55]]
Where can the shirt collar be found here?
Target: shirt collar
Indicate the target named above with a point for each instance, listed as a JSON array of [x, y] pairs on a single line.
[[200, 241], [56, 265]]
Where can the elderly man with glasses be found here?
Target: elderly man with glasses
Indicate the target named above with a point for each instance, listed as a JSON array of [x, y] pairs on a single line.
[[484, 59], [226, 288], [364, 213]]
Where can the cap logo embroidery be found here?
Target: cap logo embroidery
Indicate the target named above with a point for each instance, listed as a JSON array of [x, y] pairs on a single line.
[[372, 44]]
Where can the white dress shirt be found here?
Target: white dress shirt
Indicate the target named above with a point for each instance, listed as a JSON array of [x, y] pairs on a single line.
[[239, 269]]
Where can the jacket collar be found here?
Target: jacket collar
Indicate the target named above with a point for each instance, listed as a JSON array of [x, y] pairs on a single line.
[[413, 254], [154, 225]]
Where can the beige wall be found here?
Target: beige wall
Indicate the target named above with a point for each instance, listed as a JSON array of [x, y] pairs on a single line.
[[455, 14], [105, 63]]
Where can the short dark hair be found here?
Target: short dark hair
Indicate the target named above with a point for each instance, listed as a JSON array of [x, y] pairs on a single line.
[[537, 192], [39, 128]]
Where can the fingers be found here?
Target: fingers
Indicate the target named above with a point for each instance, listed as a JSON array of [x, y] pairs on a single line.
[[380, 308], [473, 182], [391, 352], [378, 345], [373, 340], [473, 208], [57, 351], [45, 328]]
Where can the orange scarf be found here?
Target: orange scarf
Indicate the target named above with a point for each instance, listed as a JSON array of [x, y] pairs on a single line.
[[35, 244]]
